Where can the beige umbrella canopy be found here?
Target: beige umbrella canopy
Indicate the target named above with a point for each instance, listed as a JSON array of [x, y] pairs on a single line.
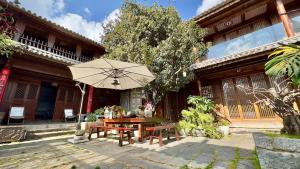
[[112, 74]]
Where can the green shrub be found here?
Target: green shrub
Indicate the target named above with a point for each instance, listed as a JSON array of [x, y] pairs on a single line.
[[99, 111], [91, 117], [223, 122], [199, 117]]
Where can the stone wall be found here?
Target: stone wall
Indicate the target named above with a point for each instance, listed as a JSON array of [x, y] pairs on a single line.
[[277, 152], [12, 134]]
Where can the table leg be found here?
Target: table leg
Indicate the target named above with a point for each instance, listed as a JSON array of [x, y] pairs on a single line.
[[168, 134], [121, 138], [105, 131], [98, 133], [151, 137], [140, 129], [176, 134], [90, 133], [160, 138]]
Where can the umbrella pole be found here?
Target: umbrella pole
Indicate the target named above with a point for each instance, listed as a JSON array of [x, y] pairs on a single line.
[[81, 101]]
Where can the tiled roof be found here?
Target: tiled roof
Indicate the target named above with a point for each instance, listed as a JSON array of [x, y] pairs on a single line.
[[50, 23], [219, 7], [242, 55]]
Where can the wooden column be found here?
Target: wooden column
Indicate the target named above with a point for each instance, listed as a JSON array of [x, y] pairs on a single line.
[[5, 72], [20, 27], [78, 51], [284, 18], [90, 100], [51, 41], [199, 86]]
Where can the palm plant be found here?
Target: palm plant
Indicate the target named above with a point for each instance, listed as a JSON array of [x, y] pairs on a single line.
[[285, 61]]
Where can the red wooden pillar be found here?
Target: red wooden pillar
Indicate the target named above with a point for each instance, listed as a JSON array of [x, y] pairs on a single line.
[[5, 72], [284, 18], [90, 99]]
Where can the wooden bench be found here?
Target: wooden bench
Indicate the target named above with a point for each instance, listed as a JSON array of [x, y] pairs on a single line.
[[122, 131], [167, 127]]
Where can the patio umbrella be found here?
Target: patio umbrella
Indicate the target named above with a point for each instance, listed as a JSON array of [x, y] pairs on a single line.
[[110, 74]]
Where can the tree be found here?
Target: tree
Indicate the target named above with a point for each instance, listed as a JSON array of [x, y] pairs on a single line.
[[157, 37], [7, 29], [285, 61], [280, 99]]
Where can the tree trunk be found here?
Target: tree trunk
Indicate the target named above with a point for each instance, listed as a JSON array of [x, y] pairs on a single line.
[[291, 124]]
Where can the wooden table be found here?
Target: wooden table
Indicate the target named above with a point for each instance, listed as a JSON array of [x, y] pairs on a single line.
[[141, 122]]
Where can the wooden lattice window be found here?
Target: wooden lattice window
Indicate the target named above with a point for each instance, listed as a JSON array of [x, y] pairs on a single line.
[[32, 91], [62, 94], [20, 91], [245, 100], [259, 82], [207, 92], [230, 98], [70, 95]]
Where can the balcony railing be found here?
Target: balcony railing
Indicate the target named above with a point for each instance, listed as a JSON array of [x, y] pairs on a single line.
[[42, 45], [252, 40]]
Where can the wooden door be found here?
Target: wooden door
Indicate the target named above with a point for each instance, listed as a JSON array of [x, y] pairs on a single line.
[[230, 98], [25, 93], [67, 98]]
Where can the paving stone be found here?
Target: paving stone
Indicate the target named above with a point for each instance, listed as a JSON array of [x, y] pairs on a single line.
[[197, 152], [221, 165], [245, 164]]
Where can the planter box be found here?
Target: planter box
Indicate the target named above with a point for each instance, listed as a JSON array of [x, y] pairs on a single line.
[[277, 152]]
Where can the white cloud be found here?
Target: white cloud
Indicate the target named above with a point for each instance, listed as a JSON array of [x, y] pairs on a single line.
[[54, 11], [207, 4], [87, 11], [45, 8]]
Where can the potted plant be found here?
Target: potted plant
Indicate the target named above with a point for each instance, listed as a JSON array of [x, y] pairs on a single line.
[[198, 120], [224, 127], [79, 134]]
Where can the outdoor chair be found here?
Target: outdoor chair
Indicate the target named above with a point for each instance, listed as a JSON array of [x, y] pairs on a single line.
[[16, 113], [69, 115]]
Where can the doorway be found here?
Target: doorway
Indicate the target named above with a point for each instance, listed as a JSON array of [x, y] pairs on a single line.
[[46, 101]]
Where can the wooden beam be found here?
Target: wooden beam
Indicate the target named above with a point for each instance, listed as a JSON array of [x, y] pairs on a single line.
[[284, 18]]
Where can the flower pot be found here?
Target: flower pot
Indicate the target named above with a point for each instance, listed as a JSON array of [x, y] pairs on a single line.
[[198, 133], [224, 130], [182, 132]]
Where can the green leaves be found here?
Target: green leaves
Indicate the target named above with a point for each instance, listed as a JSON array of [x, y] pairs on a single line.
[[285, 61], [157, 37]]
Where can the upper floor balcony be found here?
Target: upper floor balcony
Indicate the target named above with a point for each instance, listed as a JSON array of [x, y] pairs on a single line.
[[252, 40], [56, 52]]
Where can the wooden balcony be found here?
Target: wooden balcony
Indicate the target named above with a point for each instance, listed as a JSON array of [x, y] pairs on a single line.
[[57, 52]]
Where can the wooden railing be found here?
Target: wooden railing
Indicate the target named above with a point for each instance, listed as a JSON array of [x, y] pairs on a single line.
[[30, 41]]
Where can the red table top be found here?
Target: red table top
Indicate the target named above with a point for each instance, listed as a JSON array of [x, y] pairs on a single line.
[[128, 120]]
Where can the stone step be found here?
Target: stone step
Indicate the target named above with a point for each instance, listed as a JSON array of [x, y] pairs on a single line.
[[241, 130], [32, 135]]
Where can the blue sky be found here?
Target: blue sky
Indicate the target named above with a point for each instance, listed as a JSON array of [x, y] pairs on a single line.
[[87, 16]]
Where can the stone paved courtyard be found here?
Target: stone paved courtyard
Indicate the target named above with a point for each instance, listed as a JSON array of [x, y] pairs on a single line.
[[235, 151]]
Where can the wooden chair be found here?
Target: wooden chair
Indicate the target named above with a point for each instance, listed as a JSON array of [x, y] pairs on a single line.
[[69, 115], [16, 113]]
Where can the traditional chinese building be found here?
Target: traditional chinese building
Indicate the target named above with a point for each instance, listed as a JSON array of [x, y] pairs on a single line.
[[37, 76], [241, 35]]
